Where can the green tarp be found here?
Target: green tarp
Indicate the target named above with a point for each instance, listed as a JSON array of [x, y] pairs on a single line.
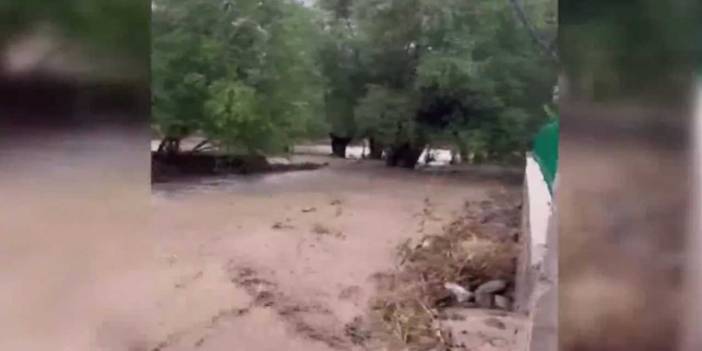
[[546, 151]]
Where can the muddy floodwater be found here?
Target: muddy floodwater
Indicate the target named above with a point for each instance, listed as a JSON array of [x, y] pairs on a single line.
[[276, 262], [284, 262]]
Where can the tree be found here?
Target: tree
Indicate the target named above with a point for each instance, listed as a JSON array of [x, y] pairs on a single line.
[[345, 76], [467, 68], [183, 66], [241, 72], [386, 33], [256, 76], [385, 116], [544, 35]]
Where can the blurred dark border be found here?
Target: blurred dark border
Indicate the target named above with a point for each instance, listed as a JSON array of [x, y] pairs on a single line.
[[96, 68], [627, 95], [45, 101]]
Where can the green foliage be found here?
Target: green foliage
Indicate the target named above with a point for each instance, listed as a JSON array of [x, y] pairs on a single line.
[[340, 9], [467, 72], [386, 115], [244, 73], [235, 120], [257, 75], [339, 59]]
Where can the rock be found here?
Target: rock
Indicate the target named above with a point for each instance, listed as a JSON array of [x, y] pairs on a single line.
[[426, 243], [461, 293], [491, 287], [484, 300], [503, 302]]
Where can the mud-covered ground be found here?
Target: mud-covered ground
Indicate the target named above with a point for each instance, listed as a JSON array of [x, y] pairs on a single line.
[[283, 262], [290, 261]]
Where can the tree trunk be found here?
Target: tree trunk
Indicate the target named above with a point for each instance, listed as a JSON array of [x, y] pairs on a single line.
[[405, 156], [169, 146], [376, 149], [339, 145], [391, 157], [411, 157], [463, 153]]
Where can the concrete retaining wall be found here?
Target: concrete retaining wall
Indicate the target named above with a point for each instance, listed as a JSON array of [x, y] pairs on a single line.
[[537, 292]]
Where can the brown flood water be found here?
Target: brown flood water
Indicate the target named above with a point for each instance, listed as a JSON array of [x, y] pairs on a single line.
[[274, 262]]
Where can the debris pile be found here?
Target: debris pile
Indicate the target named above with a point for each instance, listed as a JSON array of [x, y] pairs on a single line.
[[471, 264]]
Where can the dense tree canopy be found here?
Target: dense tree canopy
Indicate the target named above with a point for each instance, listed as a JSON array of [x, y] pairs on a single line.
[[242, 72], [258, 75], [467, 72]]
